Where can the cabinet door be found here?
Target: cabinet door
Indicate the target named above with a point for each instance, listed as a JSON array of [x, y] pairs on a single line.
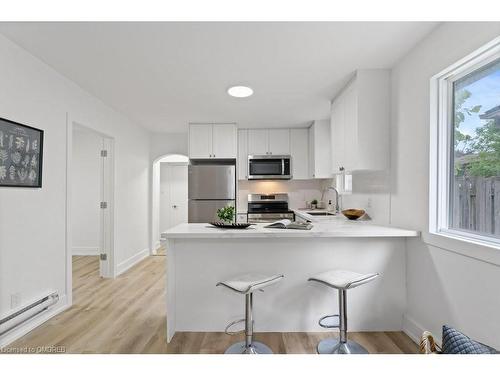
[[322, 149], [336, 135], [299, 150], [279, 141], [242, 154], [200, 141], [350, 128], [224, 141], [312, 147], [258, 141]]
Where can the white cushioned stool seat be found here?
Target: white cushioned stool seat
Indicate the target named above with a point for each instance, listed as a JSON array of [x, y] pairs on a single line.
[[250, 282], [341, 279]]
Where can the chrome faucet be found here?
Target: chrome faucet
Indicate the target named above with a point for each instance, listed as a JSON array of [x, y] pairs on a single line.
[[337, 206]]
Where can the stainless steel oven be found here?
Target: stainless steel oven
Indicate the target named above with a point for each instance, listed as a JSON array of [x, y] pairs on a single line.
[[269, 167], [265, 208]]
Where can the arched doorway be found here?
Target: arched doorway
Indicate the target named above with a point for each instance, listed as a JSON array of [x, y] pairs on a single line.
[[169, 195]]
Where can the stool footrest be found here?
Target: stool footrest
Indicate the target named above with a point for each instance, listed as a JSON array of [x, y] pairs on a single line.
[[232, 333], [329, 321]]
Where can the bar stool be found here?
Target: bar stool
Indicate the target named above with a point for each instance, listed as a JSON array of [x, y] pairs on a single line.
[[340, 280], [247, 284]]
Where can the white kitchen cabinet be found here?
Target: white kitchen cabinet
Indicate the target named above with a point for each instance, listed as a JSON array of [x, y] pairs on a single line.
[[360, 120], [279, 141], [200, 141], [224, 141], [299, 150], [258, 141], [212, 141], [242, 154], [268, 141], [320, 150]]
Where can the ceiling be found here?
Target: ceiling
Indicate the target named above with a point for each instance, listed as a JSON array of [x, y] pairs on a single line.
[[164, 75]]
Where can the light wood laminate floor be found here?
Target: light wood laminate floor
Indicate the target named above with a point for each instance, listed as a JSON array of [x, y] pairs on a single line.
[[127, 315]]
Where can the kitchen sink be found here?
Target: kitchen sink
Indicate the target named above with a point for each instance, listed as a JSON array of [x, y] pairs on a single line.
[[320, 213]]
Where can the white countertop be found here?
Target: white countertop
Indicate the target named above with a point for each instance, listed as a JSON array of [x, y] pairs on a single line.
[[338, 227]]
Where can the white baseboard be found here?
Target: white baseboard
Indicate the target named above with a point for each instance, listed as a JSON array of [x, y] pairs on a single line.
[[413, 329], [85, 251], [34, 322], [133, 260]]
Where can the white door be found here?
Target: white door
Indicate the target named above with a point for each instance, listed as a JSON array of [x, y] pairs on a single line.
[[224, 141], [173, 195], [200, 141], [299, 147], [178, 194], [242, 154], [258, 141], [106, 227], [279, 141]]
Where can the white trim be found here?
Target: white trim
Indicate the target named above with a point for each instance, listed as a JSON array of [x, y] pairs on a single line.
[[413, 329], [34, 322], [132, 261], [85, 251], [440, 145]]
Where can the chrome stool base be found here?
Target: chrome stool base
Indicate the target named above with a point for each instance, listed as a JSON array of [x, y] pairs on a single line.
[[256, 348], [334, 346]]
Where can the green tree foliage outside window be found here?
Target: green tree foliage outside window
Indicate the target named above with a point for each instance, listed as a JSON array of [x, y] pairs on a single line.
[[483, 148]]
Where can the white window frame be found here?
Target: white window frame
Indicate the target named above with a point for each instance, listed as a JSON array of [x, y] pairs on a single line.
[[441, 117]]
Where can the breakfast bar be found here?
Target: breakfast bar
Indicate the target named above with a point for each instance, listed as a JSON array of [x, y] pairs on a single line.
[[200, 255]]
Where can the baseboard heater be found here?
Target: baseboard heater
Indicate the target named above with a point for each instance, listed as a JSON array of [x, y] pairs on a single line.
[[27, 312]]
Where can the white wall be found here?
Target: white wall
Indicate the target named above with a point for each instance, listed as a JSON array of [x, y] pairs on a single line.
[[171, 143], [86, 193], [32, 221], [443, 286]]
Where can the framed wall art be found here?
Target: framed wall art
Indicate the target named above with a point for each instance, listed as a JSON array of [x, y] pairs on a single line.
[[21, 155]]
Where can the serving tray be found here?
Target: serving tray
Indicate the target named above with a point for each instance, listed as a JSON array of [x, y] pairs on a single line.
[[221, 224]]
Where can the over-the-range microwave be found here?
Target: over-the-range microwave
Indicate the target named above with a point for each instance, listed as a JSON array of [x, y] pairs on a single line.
[[269, 167]]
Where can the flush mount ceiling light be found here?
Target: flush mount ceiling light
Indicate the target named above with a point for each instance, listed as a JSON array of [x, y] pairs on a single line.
[[240, 91]]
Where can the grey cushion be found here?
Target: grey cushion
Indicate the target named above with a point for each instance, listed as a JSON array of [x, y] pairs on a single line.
[[455, 342]]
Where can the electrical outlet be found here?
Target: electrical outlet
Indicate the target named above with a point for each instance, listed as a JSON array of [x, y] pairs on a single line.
[[369, 203], [15, 300]]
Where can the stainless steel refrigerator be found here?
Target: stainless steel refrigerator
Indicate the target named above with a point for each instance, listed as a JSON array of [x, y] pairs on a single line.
[[210, 187]]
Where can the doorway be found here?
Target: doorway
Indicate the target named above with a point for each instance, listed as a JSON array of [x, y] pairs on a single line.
[[170, 196], [90, 200]]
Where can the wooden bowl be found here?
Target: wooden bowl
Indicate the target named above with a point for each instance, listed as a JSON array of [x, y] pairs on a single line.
[[353, 214]]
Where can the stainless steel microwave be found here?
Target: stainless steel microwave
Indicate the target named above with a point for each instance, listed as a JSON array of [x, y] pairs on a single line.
[[269, 167]]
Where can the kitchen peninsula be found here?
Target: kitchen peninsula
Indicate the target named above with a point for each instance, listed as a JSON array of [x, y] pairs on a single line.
[[200, 255]]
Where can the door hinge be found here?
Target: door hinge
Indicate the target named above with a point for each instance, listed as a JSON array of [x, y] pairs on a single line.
[[104, 204], [103, 256], [104, 153]]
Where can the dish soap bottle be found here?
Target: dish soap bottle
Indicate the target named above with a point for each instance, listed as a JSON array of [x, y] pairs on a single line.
[[329, 208]]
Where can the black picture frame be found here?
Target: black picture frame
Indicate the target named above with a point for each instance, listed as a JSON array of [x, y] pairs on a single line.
[[9, 127]]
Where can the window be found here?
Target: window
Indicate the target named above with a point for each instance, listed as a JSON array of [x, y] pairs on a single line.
[[465, 148]]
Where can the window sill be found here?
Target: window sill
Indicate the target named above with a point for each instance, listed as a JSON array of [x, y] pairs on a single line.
[[469, 247]]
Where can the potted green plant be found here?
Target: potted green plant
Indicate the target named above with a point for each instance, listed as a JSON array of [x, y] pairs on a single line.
[[226, 214], [314, 204]]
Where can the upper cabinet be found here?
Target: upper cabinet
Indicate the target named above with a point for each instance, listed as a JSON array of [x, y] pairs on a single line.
[[268, 141], [320, 150], [299, 150], [279, 141], [212, 141], [360, 120]]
